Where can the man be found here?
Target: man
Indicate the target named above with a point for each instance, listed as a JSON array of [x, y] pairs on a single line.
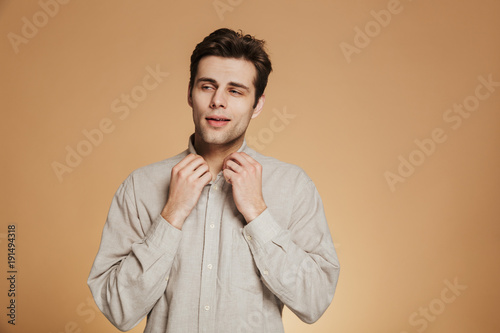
[[218, 238]]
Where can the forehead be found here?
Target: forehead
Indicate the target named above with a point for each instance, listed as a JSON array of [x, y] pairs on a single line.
[[225, 70]]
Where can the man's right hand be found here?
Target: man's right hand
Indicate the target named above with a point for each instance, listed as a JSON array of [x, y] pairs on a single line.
[[187, 180]]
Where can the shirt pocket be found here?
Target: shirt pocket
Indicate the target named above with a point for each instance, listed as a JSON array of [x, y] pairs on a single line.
[[244, 273]]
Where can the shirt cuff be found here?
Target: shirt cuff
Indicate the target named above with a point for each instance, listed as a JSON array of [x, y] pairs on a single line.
[[262, 229], [164, 236]]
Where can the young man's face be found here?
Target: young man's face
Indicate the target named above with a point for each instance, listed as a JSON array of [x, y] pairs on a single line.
[[222, 98]]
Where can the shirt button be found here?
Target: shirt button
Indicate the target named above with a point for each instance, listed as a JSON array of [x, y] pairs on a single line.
[[212, 226], [265, 272], [207, 307], [249, 237], [209, 266], [216, 187], [166, 279]]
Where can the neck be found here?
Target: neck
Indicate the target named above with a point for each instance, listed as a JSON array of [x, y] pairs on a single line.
[[215, 154]]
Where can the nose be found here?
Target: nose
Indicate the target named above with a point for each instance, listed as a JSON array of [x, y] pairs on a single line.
[[218, 100]]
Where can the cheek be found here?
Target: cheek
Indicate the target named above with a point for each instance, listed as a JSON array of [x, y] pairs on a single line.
[[199, 99], [243, 107], [197, 106], [245, 117]]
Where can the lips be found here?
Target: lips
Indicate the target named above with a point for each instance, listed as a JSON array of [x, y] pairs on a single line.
[[217, 121]]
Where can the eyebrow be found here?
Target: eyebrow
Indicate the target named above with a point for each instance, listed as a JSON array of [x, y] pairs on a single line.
[[232, 83]]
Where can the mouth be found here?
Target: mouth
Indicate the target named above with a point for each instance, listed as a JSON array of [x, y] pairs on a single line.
[[217, 121]]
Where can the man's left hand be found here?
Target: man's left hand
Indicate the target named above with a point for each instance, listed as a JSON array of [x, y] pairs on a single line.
[[245, 174]]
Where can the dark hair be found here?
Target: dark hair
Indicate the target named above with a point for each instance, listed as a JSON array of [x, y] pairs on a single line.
[[228, 43]]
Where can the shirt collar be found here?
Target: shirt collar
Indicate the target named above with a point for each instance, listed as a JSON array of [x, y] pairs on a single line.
[[243, 148]]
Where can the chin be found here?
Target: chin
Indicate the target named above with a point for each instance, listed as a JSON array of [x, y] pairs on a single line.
[[219, 138], [215, 138]]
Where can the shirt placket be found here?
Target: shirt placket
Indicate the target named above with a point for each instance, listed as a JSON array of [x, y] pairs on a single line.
[[215, 199]]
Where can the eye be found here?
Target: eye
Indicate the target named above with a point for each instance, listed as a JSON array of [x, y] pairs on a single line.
[[206, 87], [236, 92]]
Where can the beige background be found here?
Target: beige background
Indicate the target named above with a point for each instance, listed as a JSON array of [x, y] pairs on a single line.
[[354, 117]]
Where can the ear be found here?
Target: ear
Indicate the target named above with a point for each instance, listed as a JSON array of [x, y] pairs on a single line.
[[260, 104], [189, 97]]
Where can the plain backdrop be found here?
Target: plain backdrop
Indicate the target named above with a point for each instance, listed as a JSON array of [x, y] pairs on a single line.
[[387, 110]]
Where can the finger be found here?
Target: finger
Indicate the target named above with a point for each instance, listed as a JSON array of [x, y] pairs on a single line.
[[232, 165], [201, 170], [237, 158], [206, 178], [185, 161], [228, 175], [224, 162], [249, 158], [195, 163], [246, 162]]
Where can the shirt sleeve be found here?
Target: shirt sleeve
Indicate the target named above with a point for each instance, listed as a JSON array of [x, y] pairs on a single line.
[[130, 271], [298, 264]]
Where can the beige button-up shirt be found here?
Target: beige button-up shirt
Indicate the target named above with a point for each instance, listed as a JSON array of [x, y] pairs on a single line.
[[218, 274]]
